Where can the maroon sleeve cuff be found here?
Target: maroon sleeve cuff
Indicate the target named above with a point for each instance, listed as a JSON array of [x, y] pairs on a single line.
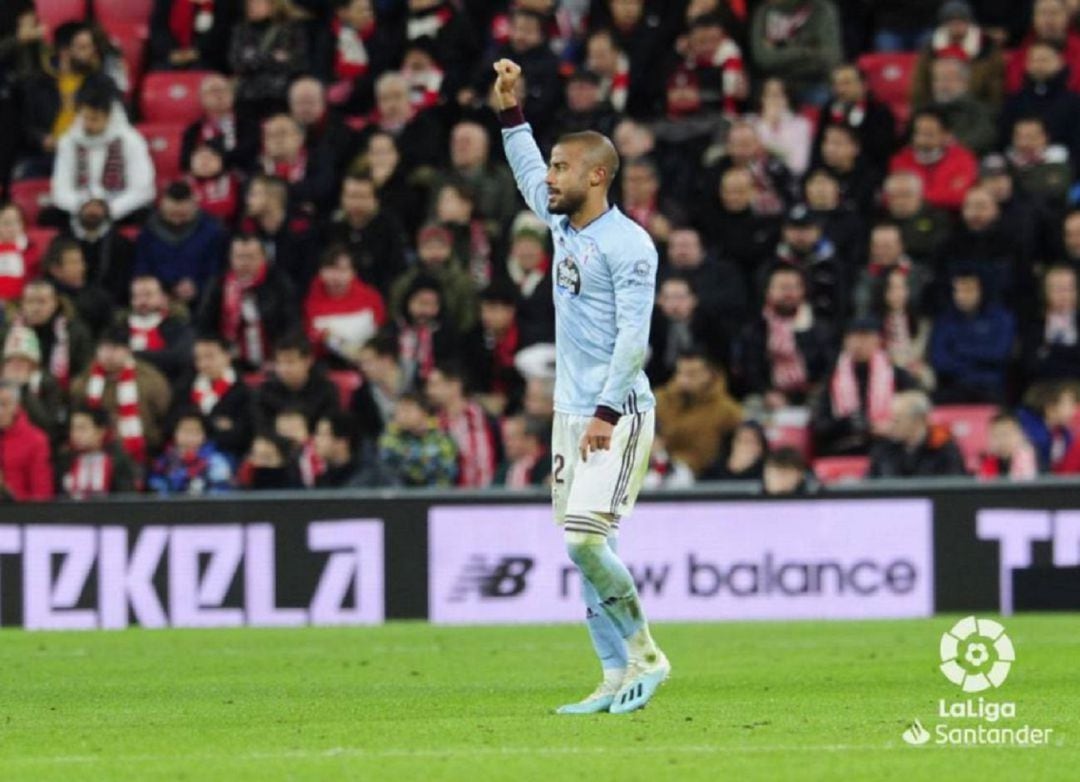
[[607, 414], [512, 117]]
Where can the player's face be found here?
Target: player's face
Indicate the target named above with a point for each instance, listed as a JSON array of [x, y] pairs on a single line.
[[567, 179]]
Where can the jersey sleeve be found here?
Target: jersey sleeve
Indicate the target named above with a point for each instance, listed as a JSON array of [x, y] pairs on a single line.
[[527, 164], [633, 277]]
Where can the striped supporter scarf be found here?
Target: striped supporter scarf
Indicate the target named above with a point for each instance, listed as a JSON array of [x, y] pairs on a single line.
[[128, 423], [206, 393], [90, 475]]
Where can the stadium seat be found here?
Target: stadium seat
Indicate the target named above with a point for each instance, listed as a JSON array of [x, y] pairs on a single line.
[[130, 38], [164, 140], [889, 77], [171, 96], [54, 13], [841, 469], [347, 381], [32, 195], [41, 237], [110, 11], [790, 428], [970, 427]]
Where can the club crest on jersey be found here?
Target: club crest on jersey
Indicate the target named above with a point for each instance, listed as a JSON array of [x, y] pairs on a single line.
[[568, 276]]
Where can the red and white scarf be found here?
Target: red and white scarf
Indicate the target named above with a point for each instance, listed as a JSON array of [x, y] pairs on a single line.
[[217, 196], [241, 321], [90, 475], [113, 174], [128, 423], [519, 474], [223, 127], [187, 18], [617, 87], [788, 364], [1060, 328], [476, 447], [350, 55], [416, 346], [424, 88], [14, 267], [292, 171], [206, 393], [844, 388], [311, 464], [967, 48], [1023, 465], [146, 332], [428, 24]]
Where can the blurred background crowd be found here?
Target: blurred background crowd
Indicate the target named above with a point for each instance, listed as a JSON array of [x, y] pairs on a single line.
[[268, 244]]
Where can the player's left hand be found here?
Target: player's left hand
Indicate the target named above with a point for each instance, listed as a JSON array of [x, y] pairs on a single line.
[[597, 437]]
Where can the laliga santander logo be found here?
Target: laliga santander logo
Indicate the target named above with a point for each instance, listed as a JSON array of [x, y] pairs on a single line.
[[976, 654]]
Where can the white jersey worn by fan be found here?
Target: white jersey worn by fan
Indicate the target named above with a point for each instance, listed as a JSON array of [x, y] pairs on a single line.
[[604, 282]]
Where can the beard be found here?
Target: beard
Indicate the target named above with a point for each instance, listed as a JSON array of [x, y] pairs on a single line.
[[565, 203]]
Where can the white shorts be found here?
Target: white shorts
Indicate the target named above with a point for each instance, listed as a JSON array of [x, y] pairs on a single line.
[[608, 481]]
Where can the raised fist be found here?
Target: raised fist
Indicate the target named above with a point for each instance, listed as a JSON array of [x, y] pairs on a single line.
[[508, 74]]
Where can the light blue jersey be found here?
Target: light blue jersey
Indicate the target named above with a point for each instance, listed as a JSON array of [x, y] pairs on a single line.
[[604, 281]]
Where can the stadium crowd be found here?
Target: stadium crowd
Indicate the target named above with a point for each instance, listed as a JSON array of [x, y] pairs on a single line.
[[313, 269]]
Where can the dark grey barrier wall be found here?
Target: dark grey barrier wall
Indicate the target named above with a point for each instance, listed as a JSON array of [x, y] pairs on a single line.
[[298, 558]]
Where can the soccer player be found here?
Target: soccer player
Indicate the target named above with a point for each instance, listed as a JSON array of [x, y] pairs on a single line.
[[604, 279]]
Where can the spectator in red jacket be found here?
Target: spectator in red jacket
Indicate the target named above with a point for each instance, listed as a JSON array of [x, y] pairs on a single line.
[[24, 450], [20, 256], [341, 313], [946, 168]]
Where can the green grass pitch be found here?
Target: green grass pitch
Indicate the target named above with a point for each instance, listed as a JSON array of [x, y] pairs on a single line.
[[747, 701]]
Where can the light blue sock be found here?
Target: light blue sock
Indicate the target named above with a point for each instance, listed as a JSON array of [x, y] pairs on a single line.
[[609, 578], [609, 645]]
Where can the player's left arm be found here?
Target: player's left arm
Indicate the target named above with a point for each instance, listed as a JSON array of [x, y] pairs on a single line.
[[633, 276]]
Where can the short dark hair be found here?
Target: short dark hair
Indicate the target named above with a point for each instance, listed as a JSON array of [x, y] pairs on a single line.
[[500, 291], [294, 340], [281, 445], [214, 337], [117, 334], [98, 416], [786, 458], [332, 253], [384, 344], [65, 33], [54, 256], [178, 190], [189, 413], [341, 425], [453, 371], [846, 129], [707, 19], [97, 92], [930, 112]]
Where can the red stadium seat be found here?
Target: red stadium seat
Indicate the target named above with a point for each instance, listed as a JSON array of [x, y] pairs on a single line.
[[347, 381], [171, 96], [54, 13], [130, 38], [841, 469], [164, 140], [32, 195], [41, 237], [109, 11], [970, 427], [889, 77]]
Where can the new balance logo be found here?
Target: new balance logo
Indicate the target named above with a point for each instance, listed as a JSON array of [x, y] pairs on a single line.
[[505, 578]]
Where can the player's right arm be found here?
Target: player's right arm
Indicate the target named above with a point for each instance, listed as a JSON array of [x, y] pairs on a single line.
[[523, 155]]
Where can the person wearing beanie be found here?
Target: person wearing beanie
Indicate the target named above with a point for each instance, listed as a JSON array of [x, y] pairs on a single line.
[[39, 392]]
